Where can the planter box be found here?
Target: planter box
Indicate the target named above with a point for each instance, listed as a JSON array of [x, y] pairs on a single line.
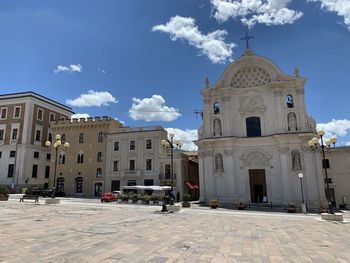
[[4, 197], [160, 202], [139, 202], [130, 201], [332, 217], [214, 206], [119, 201], [186, 204], [291, 210], [151, 202]]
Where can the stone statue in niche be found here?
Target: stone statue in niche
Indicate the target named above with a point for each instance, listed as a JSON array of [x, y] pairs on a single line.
[[219, 162], [217, 127], [296, 164], [292, 122]]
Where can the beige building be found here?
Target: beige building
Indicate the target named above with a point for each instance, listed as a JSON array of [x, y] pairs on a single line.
[[24, 127], [81, 168]]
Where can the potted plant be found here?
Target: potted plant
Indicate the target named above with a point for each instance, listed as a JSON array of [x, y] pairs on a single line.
[[160, 198], [145, 199], [139, 199], [241, 206], [151, 199], [120, 198], [4, 193], [186, 199], [131, 197], [291, 207], [214, 203]]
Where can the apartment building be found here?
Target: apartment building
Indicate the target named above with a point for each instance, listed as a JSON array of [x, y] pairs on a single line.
[[24, 127]]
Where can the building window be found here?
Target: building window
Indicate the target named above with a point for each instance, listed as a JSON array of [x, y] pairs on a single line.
[[50, 137], [148, 164], [3, 113], [39, 115], [12, 153], [62, 158], [52, 116], [115, 166], [148, 144], [132, 145], [289, 101], [81, 137], [38, 135], [14, 134], [79, 185], [35, 171], [0, 154], [63, 138], [47, 171], [131, 182], [11, 170], [216, 108], [98, 172], [116, 146], [80, 158], [36, 155], [148, 182], [1, 135], [253, 127], [99, 156], [48, 156], [100, 137], [17, 112], [131, 165], [167, 171]]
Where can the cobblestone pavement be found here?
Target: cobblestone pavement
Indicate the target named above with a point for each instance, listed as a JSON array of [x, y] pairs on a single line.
[[86, 231]]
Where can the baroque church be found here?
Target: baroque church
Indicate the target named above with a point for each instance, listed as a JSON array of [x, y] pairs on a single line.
[[252, 143]]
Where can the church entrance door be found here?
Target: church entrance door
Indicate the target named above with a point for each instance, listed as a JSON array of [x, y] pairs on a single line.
[[258, 192]]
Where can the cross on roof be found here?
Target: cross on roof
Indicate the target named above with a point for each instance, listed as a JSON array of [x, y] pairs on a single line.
[[246, 38]]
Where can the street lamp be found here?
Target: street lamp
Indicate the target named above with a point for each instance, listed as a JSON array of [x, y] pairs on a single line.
[[303, 206], [56, 145], [328, 145], [169, 144]]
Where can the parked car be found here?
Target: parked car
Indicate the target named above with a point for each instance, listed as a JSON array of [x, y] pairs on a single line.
[[38, 191], [116, 193], [60, 194], [108, 197]]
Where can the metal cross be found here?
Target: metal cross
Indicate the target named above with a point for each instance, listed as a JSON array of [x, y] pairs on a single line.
[[246, 38]]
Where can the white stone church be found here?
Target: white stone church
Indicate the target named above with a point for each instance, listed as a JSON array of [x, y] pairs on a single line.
[[253, 140]]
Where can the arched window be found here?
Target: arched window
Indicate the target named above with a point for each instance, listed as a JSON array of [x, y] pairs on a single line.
[[78, 185], [219, 166], [217, 127], [253, 127], [100, 137], [296, 161], [81, 137], [292, 122], [216, 108], [63, 138], [80, 158], [290, 101], [98, 172], [60, 184], [99, 156], [62, 158], [50, 137]]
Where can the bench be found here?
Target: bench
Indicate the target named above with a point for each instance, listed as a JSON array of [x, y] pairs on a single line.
[[32, 197]]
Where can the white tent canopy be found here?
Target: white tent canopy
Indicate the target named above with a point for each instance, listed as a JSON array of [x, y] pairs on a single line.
[[143, 187]]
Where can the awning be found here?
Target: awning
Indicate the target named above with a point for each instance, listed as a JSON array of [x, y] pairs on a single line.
[[192, 185], [143, 187]]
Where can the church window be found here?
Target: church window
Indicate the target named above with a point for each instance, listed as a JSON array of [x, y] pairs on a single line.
[[62, 158], [63, 138], [253, 127], [289, 101], [81, 137], [216, 108], [219, 163], [217, 127], [80, 158], [296, 163], [100, 137]]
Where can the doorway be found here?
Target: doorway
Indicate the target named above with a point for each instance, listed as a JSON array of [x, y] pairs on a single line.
[[98, 189], [257, 180], [115, 185]]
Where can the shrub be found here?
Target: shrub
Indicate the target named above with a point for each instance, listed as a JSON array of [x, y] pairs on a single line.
[[214, 203], [186, 198], [4, 190]]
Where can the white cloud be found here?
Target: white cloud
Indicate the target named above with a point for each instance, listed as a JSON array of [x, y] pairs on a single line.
[[72, 68], [341, 7], [211, 45], [80, 115], [335, 128], [92, 98], [122, 122], [101, 70], [251, 12], [152, 109], [186, 137]]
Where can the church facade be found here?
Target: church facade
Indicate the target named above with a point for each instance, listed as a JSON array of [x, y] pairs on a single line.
[[253, 140]]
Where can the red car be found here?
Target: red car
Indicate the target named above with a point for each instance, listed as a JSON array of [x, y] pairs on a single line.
[[108, 197]]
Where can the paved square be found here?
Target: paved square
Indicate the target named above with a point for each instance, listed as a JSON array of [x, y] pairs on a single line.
[[87, 231]]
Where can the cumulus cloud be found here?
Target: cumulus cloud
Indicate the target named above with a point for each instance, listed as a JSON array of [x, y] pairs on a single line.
[[72, 68], [335, 128], [341, 7], [251, 12], [211, 45], [122, 122], [186, 137], [80, 115], [152, 109], [92, 98], [101, 70]]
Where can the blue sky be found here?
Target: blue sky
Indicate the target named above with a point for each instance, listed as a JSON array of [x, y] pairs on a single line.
[[115, 51]]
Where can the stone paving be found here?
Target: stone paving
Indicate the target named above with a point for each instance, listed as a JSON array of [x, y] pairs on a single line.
[[86, 231]]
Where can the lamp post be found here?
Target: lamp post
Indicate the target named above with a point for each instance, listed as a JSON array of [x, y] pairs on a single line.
[[169, 144], [56, 145], [330, 144], [303, 206]]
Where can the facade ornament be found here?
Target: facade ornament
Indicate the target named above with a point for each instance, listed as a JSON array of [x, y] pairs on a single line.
[[228, 152], [296, 163], [217, 127], [292, 122], [284, 149], [311, 124], [251, 105], [296, 72], [256, 158], [219, 167]]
